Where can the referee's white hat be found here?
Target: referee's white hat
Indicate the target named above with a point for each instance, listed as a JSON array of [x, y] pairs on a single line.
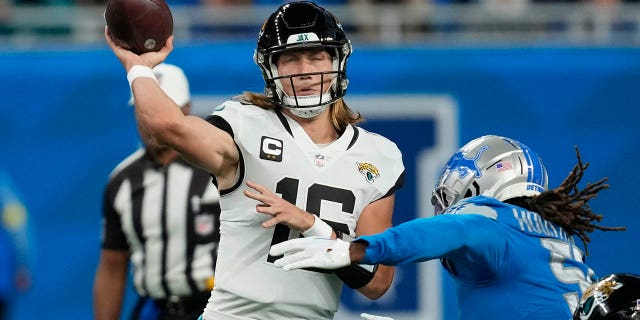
[[173, 82]]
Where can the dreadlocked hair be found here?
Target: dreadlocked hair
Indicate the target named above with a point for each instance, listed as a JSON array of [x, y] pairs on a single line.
[[567, 206]]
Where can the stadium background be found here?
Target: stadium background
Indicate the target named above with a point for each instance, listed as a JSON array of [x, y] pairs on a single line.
[[65, 124]]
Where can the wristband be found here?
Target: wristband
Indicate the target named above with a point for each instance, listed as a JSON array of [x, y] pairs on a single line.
[[318, 229], [139, 71]]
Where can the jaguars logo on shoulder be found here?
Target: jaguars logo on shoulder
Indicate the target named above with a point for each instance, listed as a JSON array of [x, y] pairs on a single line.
[[369, 171]]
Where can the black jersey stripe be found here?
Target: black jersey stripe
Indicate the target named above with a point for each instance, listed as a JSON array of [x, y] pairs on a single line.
[[137, 197], [356, 134], [197, 186], [164, 236], [238, 183], [399, 183], [160, 239], [284, 121]]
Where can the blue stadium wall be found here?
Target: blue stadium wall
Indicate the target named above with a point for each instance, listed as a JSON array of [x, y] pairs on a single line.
[[65, 124]]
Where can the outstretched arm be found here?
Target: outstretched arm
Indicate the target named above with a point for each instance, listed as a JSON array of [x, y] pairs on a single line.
[[414, 241], [433, 238], [196, 140]]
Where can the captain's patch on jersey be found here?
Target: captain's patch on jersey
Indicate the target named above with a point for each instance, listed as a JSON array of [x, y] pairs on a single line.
[[271, 149], [369, 171]]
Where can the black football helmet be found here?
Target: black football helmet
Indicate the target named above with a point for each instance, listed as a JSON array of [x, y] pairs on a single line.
[[614, 297], [296, 25]]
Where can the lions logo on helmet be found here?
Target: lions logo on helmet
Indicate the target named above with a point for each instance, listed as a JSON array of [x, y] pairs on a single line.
[[492, 166], [465, 165]]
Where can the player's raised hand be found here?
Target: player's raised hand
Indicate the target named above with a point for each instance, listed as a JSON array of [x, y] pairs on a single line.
[[129, 59], [314, 252], [281, 210]]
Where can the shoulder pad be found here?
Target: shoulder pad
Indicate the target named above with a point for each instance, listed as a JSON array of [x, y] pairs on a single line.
[[474, 206], [241, 99]]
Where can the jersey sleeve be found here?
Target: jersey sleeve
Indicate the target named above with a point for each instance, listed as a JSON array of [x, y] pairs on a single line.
[[398, 171], [112, 235], [392, 170], [441, 236], [227, 116]]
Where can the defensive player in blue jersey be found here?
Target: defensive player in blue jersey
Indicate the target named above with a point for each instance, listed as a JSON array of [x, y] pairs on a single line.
[[506, 240]]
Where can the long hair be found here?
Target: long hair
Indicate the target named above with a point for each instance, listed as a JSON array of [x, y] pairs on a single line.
[[341, 114], [567, 205]]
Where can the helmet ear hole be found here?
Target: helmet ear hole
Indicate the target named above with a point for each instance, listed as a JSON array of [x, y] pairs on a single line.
[[468, 193]]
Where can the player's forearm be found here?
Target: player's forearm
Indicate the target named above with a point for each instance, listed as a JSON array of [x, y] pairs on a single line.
[[107, 300], [413, 241], [357, 251], [155, 111], [380, 283], [109, 283], [107, 312]]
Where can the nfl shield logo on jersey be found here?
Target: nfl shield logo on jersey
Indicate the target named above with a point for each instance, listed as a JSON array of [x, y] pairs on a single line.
[[204, 224], [320, 160]]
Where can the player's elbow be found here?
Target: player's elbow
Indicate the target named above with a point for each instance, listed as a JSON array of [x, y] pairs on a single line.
[[164, 131], [374, 290]]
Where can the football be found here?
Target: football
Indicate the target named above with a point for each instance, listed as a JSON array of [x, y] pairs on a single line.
[[139, 25]]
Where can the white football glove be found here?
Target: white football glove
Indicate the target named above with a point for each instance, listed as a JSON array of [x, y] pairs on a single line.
[[312, 252], [366, 316]]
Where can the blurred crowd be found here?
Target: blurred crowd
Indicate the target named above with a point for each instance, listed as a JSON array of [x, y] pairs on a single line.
[[32, 22], [5, 3]]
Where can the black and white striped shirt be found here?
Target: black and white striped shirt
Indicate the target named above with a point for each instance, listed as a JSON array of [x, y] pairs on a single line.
[[167, 217]]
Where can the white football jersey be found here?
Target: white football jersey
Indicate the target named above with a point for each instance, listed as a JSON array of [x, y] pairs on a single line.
[[336, 182]]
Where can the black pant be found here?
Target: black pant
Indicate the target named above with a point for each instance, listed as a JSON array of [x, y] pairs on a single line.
[[174, 308]]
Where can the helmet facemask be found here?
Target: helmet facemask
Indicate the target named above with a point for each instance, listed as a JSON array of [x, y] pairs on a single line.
[[452, 186], [303, 25], [312, 105]]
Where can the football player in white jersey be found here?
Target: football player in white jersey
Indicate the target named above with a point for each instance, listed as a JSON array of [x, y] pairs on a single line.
[[298, 140]]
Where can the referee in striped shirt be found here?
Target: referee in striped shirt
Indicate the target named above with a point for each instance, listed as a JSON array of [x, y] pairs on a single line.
[[162, 214]]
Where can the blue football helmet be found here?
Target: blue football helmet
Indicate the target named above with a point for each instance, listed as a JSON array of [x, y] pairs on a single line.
[[491, 166], [302, 25], [614, 297]]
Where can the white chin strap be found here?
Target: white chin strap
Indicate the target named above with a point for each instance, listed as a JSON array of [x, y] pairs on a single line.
[[302, 102]]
